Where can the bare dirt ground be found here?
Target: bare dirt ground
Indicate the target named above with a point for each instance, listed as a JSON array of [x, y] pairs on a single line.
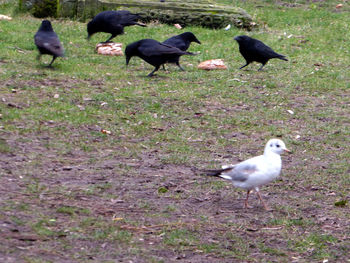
[[72, 193], [102, 205]]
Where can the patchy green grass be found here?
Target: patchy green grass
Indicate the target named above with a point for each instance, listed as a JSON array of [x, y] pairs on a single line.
[[70, 191]]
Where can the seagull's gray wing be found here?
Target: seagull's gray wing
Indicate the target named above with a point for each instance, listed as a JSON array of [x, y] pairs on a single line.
[[240, 172]]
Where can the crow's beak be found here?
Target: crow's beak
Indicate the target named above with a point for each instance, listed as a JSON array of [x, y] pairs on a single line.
[[197, 41]]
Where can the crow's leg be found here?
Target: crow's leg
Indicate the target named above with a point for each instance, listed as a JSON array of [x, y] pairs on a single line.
[[155, 69], [109, 39], [164, 68], [53, 59], [38, 57], [263, 64], [245, 65], [178, 64]]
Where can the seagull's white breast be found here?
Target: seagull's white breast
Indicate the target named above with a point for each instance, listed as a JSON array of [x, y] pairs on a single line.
[[267, 169]]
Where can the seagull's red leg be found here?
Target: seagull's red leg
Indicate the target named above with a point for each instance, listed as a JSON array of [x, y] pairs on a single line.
[[246, 200], [262, 201]]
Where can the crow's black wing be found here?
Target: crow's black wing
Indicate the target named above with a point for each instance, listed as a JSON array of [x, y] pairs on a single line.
[[154, 48], [176, 42], [125, 18], [265, 50], [50, 42]]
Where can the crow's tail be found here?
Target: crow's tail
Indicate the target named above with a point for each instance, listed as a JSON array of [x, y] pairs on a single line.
[[140, 24], [190, 53], [131, 20], [283, 58]]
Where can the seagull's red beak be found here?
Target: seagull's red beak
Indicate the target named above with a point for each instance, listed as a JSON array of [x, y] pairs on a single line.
[[286, 150]]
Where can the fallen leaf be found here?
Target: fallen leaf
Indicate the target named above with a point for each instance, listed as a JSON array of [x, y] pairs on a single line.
[[272, 228], [252, 229], [331, 194], [341, 203], [228, 27], [162, 190], [198, 114], [12, 105], [81, 107], [114, 201]]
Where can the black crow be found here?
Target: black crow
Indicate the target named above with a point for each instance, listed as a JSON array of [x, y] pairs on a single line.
[[255, 50], [112, 22], [48, 42], [182, 42], [153, 52]]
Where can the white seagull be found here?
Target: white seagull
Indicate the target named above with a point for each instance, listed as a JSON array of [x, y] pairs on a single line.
[[256, 171]]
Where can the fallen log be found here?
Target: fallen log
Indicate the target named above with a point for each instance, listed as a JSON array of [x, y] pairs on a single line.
[[194, 12]]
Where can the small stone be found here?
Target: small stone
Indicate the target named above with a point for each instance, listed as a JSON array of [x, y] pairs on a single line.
[[339, 6], [81, 107], [106, 131], [3, 17]]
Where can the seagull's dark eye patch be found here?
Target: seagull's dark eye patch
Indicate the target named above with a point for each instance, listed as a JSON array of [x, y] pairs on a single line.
[[277, 145]]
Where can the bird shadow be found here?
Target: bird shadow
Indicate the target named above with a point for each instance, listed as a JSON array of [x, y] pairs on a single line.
[[47, 67], [155, 77]]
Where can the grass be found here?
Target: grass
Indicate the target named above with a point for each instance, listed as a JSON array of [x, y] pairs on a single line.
[[131, 195]]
